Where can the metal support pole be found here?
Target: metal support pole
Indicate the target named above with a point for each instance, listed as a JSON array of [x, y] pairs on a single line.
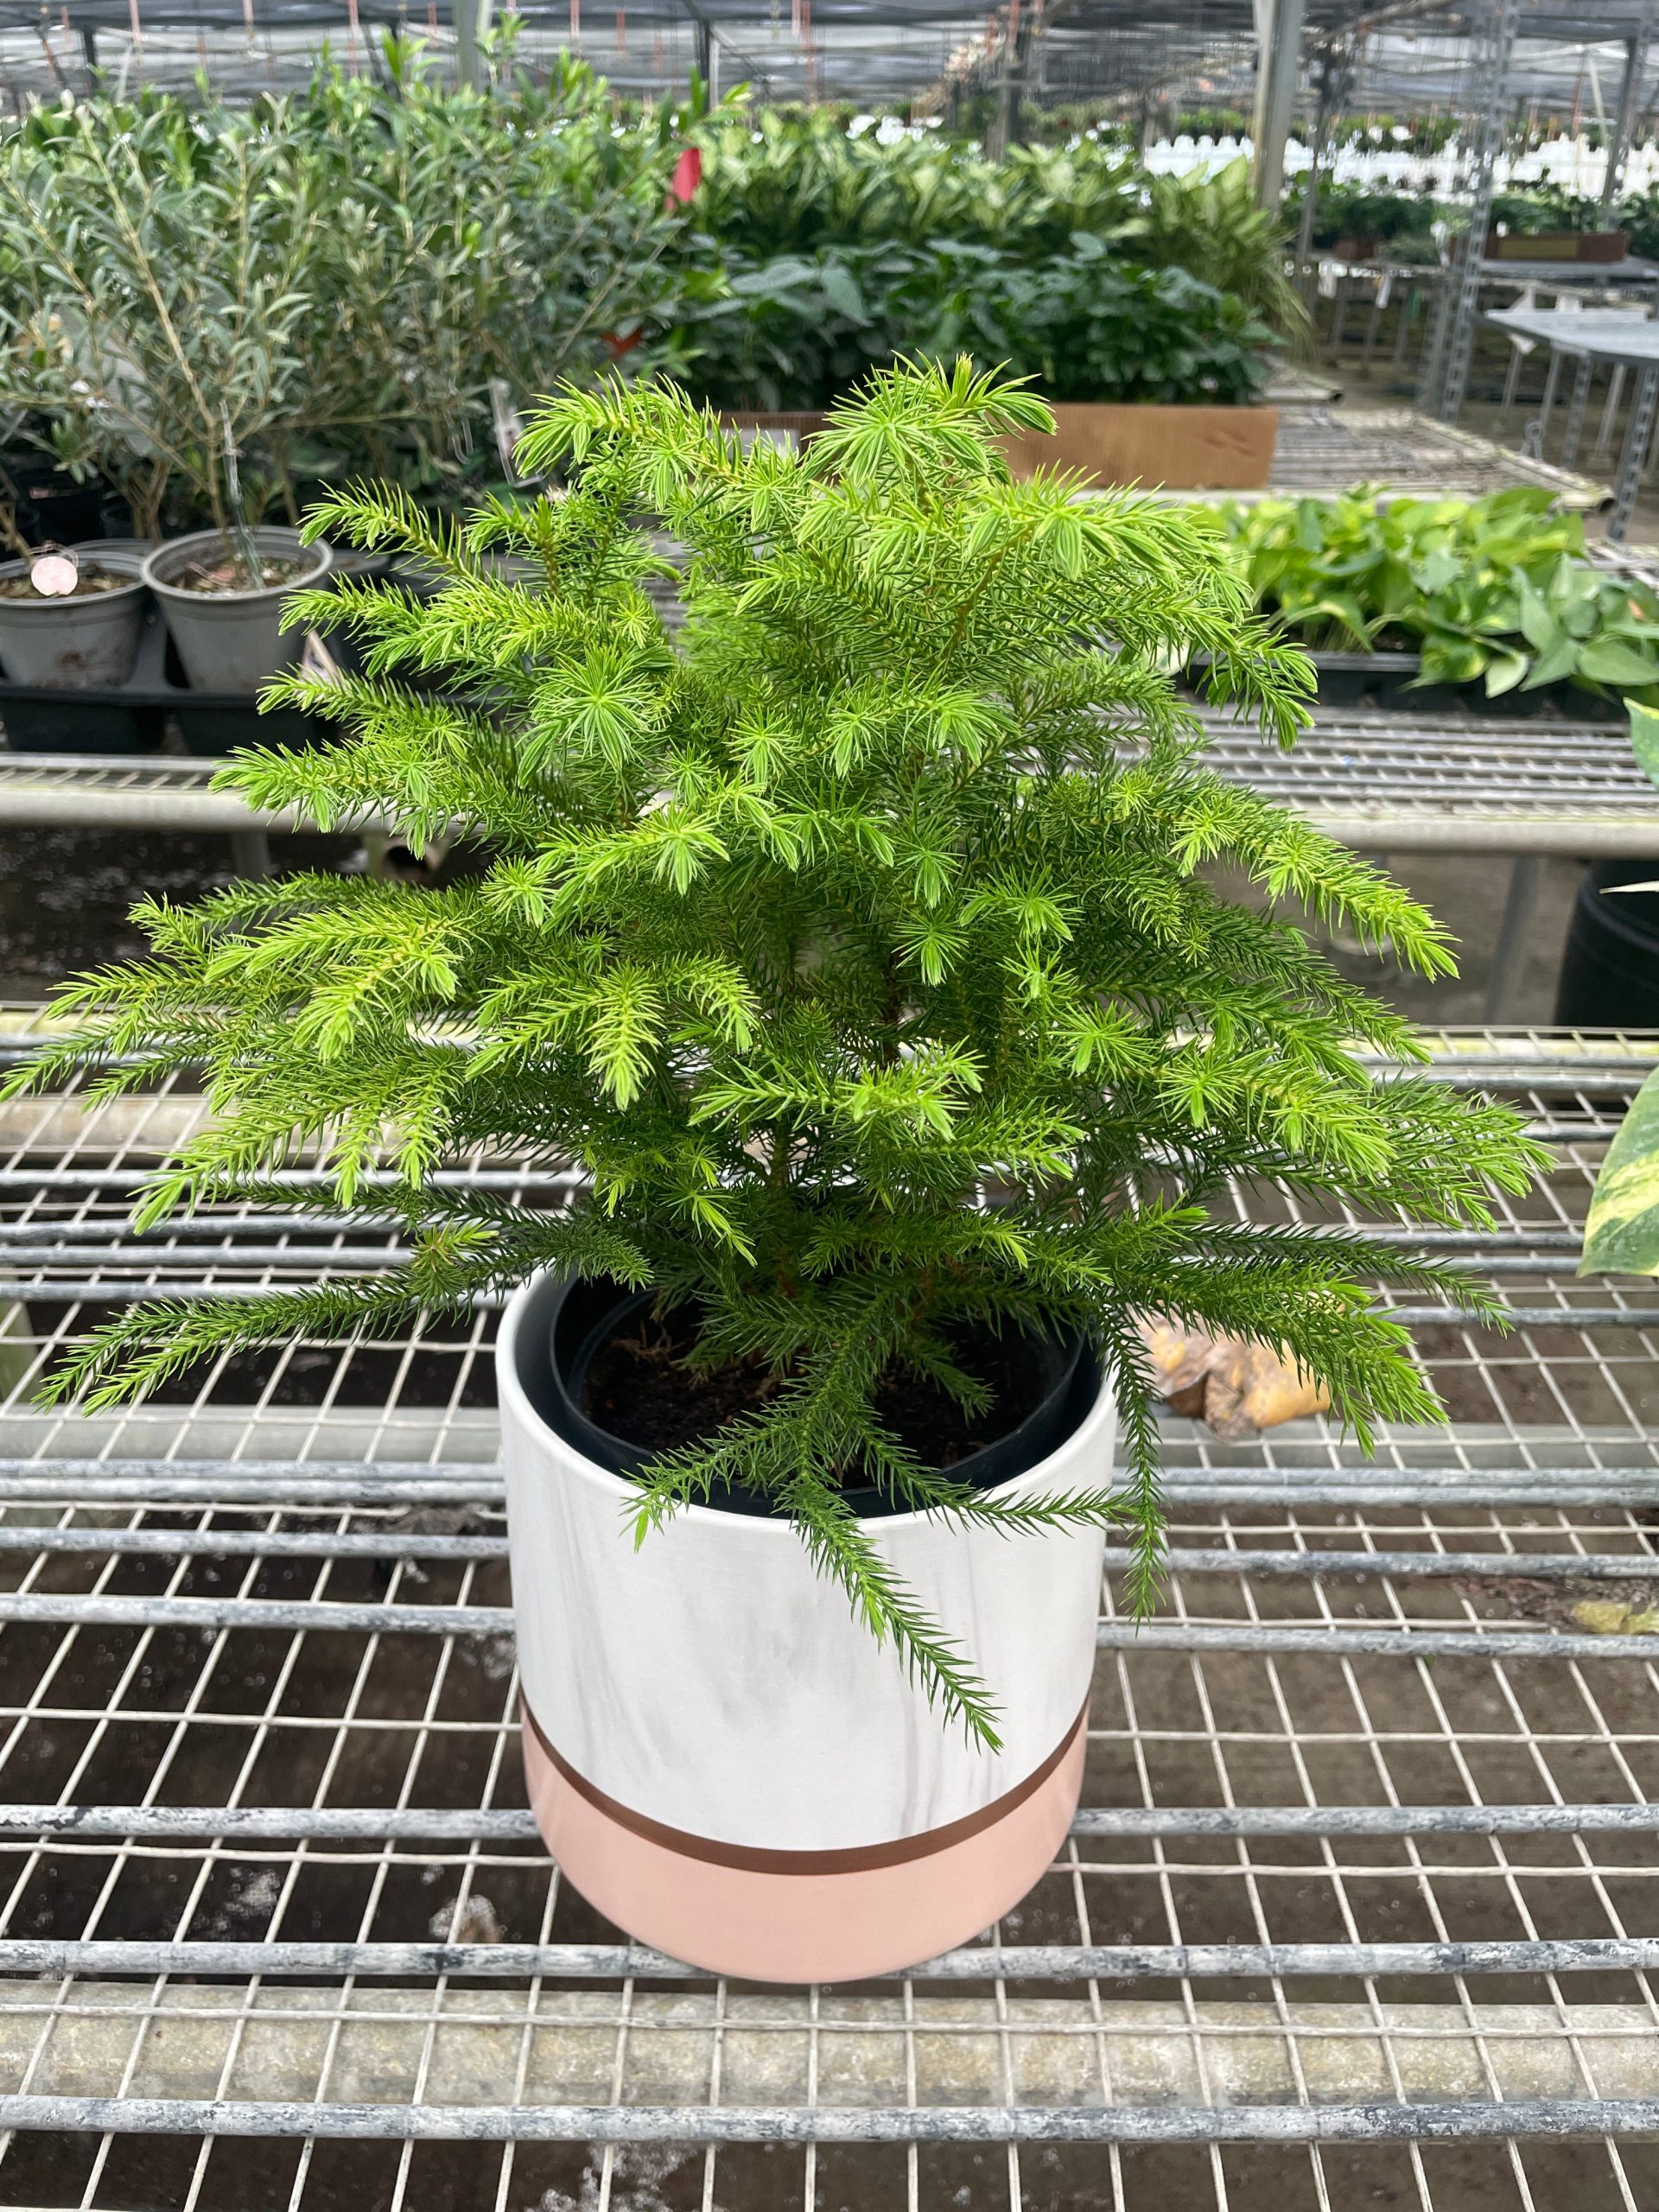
[[250, 853], [1532, 442], [1637, 434], [1446, 369], [1511, 383], [1609, 414], [1375, 323], [1336, 77], [468, 70], [1630, 95], [1580, 401], [1510, 953], [1402, 329], [1278, 52], [1004, 130]]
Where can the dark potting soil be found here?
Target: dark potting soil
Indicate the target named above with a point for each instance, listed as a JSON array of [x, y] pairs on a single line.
[[90, 582], [233, 576], [638, 1388]]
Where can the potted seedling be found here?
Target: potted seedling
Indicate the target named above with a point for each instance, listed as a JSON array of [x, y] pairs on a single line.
[[70, 621], [158, 270], [860, 958]]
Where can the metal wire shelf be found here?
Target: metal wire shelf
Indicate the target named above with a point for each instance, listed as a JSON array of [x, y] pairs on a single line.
[[1325, 449], [1357, 1902], [1421, 782]]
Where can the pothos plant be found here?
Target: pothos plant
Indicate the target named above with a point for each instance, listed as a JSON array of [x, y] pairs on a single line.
[[1621, 1230], [1494, 591], [860, 954]]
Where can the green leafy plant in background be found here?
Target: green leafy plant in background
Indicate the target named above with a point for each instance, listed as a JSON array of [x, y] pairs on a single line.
[[783, 183], [1527, 209], [1209, 224], [779, 182], [886, 892], [1493, 591], [1621, 1228], [517, 233], [329, 281], [1394, 219], [1084, 327], [153, 300], [798, 331]]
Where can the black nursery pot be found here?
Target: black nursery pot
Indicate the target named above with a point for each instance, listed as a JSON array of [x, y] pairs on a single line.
[[52, 508], [590, 1315], [1609, 965]]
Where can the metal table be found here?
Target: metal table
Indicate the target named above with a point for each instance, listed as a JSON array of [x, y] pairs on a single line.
[[1631, 276], [1327, 449], [1358, 1907], [1622, 341]]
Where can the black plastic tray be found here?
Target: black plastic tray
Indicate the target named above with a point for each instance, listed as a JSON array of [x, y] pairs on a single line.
[[131, 717], [1388, 682]]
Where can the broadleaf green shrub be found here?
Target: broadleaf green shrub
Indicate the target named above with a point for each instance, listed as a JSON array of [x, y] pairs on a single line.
[[859, 954], [1084, 327], [1494, 591], [798, 332]]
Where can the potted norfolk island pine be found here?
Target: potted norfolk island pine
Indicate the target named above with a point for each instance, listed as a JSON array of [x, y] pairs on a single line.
[[859, 954]]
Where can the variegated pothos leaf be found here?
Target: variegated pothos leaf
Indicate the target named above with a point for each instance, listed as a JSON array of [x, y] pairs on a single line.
[[1621, 1232]]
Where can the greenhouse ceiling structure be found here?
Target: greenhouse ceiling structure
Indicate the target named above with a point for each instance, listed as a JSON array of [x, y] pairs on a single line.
[[1119, 56]]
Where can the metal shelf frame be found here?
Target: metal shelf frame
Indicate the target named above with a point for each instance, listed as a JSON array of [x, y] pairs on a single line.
[[1359, 1901]]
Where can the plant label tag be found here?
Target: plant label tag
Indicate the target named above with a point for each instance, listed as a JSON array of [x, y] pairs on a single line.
[[55, 575], [509, 427], [317, 662]]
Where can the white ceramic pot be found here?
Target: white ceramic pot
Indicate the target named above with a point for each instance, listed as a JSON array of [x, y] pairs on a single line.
[[721, 1757]]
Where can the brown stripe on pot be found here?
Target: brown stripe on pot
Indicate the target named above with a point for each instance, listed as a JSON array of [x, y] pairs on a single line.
[[858, 1859]]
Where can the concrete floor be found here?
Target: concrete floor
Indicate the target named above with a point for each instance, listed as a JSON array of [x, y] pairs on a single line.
[[1467, 895]]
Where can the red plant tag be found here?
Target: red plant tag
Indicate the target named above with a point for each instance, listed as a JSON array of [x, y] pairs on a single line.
[[687, 175]]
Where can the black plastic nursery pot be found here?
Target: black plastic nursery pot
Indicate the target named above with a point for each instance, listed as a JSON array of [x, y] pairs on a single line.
[[1389, 683], [591, 1315], [52, 508], [131, 717], [1610, 966]]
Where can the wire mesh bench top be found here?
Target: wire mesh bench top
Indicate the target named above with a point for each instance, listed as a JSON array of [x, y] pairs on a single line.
[[1358, 1902], [1417, 782]]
